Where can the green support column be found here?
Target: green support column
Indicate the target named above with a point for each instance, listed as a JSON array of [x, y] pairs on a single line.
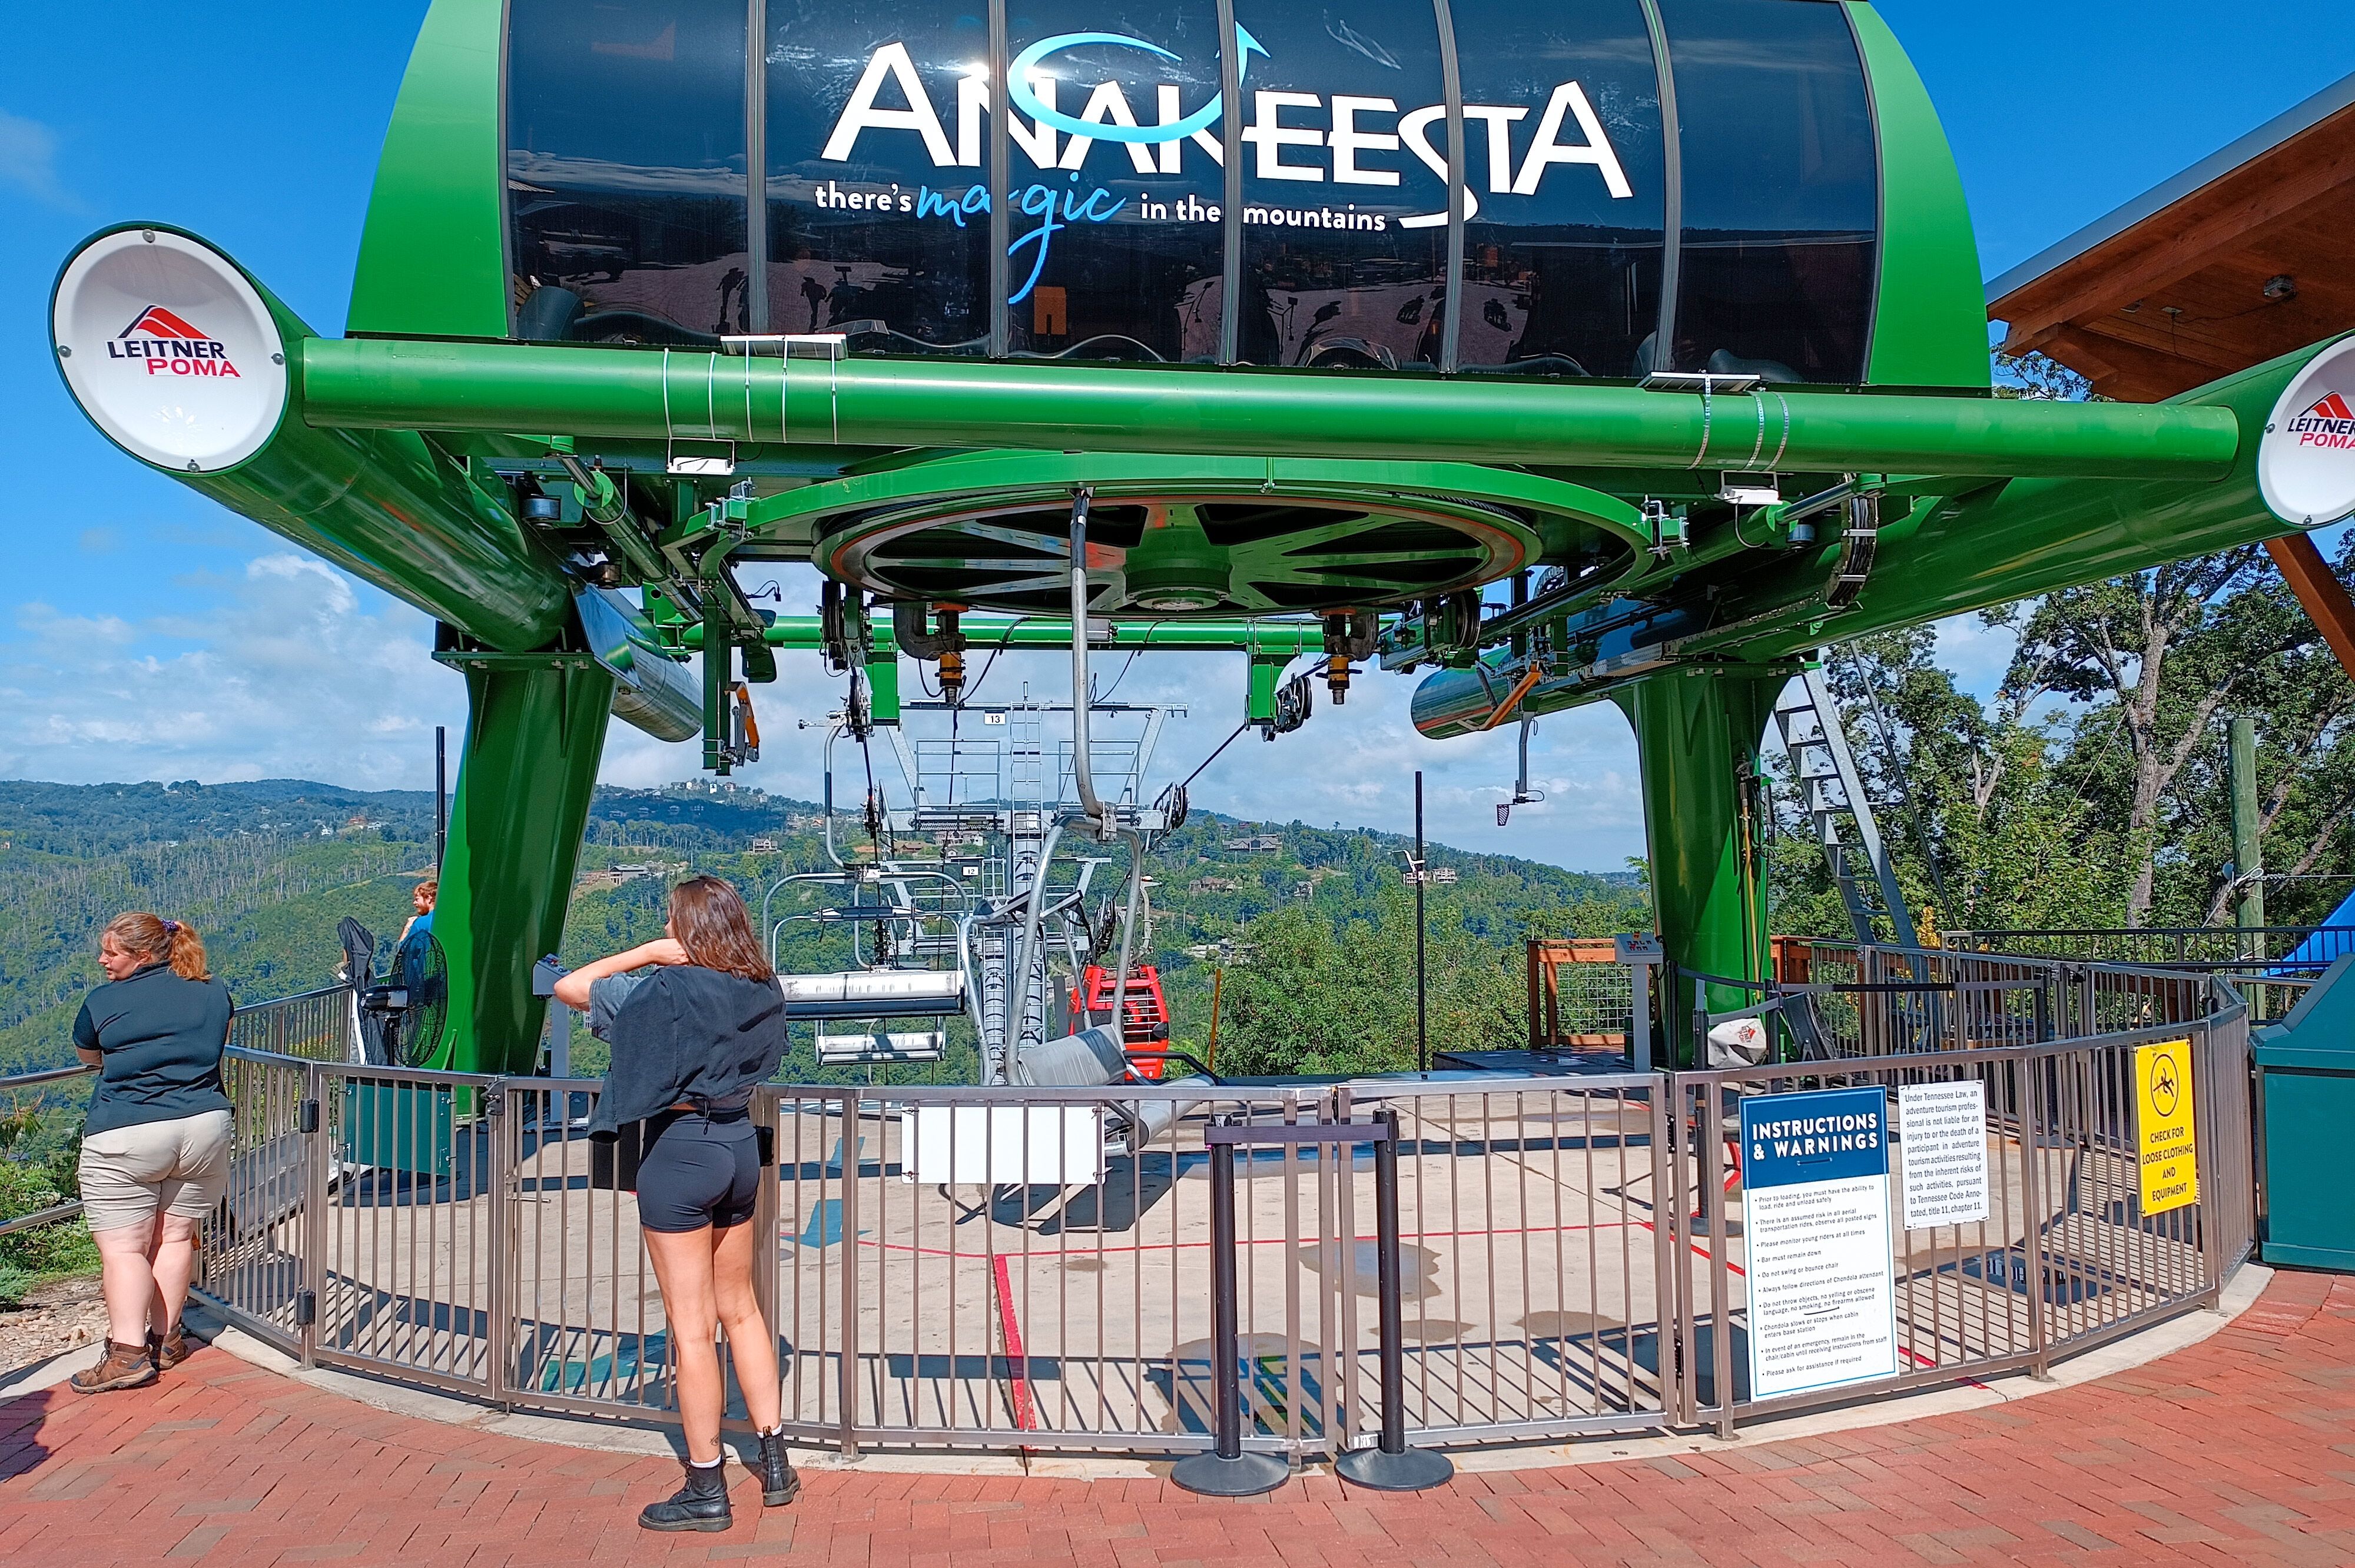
[[1696, 734], [535, 733]]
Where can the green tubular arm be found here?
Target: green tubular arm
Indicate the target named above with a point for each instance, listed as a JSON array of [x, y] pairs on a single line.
[[983, 632], [596, 393], [392, 508], [1948, 556]]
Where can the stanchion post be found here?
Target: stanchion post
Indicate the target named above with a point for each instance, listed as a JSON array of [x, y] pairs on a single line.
[[1392, 1466], [1226, 1471]]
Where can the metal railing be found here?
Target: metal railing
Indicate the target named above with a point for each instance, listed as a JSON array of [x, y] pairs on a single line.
[[314, 1025], [2064, 1260], [1028, 1269], [2225, 946]]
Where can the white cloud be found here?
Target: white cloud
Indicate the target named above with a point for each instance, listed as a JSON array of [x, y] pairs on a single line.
[[281, 671], [29, 160], [290, 670]]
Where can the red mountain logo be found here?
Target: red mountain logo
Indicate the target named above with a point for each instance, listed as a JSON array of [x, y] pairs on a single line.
[[161, 323], [2331, 407], [168, 346]]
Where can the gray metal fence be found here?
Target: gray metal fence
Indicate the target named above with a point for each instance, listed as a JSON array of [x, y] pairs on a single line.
[[1027, 1269], [2065, 1259]]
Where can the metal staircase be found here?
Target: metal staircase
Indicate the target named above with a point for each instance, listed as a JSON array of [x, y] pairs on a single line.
[[1833, 794]]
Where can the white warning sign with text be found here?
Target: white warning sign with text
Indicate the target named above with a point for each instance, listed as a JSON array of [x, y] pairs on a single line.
[[1943, 1145], [1815, 1180]]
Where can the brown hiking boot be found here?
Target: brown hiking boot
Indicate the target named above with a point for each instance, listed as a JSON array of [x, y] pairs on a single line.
[[168, 1350], [122, 1366]]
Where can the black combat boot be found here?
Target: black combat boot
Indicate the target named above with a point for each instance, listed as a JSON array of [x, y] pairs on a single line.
[[701, 1504], [779, 1485]]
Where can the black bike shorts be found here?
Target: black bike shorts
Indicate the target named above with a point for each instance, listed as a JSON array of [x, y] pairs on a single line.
[[698, 1171]]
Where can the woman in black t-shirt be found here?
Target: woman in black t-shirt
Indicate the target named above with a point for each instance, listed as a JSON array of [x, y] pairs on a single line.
[[690, 1043], [155, 1146]]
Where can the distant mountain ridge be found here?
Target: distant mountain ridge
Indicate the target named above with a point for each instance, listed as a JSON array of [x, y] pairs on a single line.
[[264, 870]]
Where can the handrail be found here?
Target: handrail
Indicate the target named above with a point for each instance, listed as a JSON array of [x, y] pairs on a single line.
[[45, 1075], [66, 1210]]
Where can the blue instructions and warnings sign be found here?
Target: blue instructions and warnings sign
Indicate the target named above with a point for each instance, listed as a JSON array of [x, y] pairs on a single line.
[[1814, 1180]]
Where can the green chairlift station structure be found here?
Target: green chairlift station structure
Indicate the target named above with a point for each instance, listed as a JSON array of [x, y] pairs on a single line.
[[1294, 332]]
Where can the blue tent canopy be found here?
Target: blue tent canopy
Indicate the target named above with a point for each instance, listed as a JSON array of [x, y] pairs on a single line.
[[2327, 943]]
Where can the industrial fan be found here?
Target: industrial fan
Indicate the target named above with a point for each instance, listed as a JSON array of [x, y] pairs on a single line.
[[404, 1011]]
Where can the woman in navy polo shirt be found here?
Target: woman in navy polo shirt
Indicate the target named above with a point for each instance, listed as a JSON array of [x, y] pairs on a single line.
[[154, 1148]]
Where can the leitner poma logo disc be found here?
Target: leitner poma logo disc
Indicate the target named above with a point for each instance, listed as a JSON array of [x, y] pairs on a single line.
[[196, 381], [169, 344], [2305, 462]]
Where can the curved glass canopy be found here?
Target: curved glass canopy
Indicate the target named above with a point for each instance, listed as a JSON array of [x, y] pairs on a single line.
[[1604, 188]]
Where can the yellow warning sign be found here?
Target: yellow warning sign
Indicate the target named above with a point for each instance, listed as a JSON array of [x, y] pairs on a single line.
[[2167, 1134]]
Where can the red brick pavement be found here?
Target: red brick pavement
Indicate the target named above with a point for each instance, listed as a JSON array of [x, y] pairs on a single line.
[[2239, 1450]]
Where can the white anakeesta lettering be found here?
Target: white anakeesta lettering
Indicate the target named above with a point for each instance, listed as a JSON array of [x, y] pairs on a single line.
[[1171, 151], [1036, 141], [861, 113], [1274, 136], [1414, 129], [1106, 105], [1547, 150], [1346, 140], [1497, 117]]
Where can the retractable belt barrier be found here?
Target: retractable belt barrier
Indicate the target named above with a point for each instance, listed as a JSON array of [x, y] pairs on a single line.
[[1391, 1467]]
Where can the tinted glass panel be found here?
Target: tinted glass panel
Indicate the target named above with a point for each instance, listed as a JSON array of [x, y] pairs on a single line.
[[1564, 156], [878, 156], [626, 176], [1781, 188], [1115, 235], [1344, 145]]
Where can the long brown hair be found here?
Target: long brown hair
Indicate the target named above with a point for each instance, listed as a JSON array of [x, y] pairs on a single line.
[[709, 919], [152, 939]]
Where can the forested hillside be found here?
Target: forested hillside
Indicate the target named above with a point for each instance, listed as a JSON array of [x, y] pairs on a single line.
[[265, 870]]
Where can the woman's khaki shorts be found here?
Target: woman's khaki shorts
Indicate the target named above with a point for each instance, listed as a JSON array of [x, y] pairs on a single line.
[[128, 1173]]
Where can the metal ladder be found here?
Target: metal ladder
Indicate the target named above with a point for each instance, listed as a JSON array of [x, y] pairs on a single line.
[[1833, 792]]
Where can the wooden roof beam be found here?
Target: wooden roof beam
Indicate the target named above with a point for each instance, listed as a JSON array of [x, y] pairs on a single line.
[[2140, 262], [2319, 590]]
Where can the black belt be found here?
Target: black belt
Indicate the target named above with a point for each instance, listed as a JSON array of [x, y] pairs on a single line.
[[728, 1108]]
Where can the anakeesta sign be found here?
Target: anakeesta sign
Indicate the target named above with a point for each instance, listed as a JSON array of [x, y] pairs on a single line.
[[1396, 185], [170, 349]]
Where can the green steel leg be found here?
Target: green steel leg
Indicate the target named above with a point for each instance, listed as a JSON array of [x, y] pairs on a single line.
[[1696, 734], [534, 737]]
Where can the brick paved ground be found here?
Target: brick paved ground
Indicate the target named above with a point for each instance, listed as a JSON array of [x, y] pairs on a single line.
[[2239, 1450]]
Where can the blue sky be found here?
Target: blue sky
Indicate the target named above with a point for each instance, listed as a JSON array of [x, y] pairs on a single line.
[[145, 633]]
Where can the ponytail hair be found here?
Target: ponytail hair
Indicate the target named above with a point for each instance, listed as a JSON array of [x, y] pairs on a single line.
[[152, 939]]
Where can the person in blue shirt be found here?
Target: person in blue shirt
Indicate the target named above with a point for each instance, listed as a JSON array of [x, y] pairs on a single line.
[[156, 1142]]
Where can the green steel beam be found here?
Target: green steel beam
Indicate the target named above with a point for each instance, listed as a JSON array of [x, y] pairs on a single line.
[[535, 731], [983, 632], [1929, 324], [1943, 556], [432, 255], [598, 393], [1697, 736], [1950, 556]]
